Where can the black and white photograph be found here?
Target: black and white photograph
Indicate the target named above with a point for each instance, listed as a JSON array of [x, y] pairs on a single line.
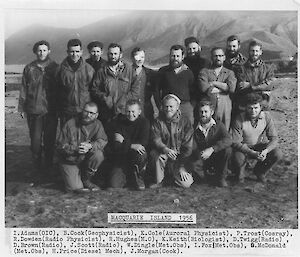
[[190, 111]]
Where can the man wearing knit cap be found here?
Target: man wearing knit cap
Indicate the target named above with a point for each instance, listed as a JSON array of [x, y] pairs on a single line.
[[176, 78], [254, 137], [196, 63], [95, 50], [38, 101], [74, 79], [172, 138]]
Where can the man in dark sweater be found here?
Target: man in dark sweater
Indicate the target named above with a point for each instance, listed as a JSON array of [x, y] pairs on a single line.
[[128, 156], [195, 62], [176, 78], [95, 60], [211, 144]]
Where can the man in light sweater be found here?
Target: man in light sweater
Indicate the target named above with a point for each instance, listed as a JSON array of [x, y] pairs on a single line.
[[254, 136]]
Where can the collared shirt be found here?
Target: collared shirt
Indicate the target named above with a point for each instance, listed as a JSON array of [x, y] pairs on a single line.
[[208, 126]]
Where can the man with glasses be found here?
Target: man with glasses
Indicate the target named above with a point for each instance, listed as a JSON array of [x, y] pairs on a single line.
[[218, 83], [74, 78], [80, 148]]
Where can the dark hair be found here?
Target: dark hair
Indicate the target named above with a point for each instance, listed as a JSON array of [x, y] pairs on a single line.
[[253, 98], [205, 102], [113, 45], [74, 42], [177, 47], [216, 48], [254, 43], [94, 44], [92, 104], [135, 50], [189, 40], [134, 101], [39, 43], [233, 38]]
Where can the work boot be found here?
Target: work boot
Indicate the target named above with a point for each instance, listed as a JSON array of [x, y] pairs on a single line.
[[138, 178], [86, 181]]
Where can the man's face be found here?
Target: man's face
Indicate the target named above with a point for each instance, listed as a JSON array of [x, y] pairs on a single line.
[[89, 114], [193, 49], [205, 114], [42, 52], [170, 107], [218, 57], [138, 59], [254, 53], [253, 110], [176, 58], [233, 47], [96, 53], [133, 112], [74, 53], [114, 55]]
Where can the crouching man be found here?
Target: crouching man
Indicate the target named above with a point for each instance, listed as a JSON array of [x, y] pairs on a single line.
[[129, 157], [80, 148], [173, 142], [254, 137], [212, 144]]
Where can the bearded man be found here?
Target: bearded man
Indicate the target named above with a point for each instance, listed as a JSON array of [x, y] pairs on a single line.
[[176, 78]]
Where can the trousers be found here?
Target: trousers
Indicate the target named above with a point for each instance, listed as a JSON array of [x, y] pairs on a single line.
[[123, 168], [239, 161], [160, 164], [42, 132], [72, 173]]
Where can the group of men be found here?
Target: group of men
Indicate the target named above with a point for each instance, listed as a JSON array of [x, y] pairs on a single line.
[[150, 125]]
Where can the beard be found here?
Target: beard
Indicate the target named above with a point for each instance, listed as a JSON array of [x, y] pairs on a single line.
[[231, 54], [194, 55], [204, 121], [218, 64], [175, 64]]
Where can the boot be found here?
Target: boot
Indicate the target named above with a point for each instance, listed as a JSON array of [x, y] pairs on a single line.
[[86, 181], [138, 178]]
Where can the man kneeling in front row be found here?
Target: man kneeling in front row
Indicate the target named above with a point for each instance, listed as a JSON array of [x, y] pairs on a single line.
[[255, 137], [173, 142], [211, 145], [80, 148]]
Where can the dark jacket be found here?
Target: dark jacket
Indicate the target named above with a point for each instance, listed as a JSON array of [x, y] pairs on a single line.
[[235, 63], [73, 133], [111, 91], [96, 65], [218, 138], [145, 81], [73, 86], [134, 132], [38, 93], [176, 134], [260, 76]]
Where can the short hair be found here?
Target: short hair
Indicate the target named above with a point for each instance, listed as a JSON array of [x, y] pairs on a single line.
[[216, 48], [74, 42], [94, 44], [253, 98], [131, 102], [39, 43], [113, 45], [189, 40], [233, 38], [135, 50], [254, 43], [177, 47], [91, 104], [205, 102]]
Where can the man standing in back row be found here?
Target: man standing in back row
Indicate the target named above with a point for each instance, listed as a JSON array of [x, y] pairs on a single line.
[[218, 83], [113, 86], [38, 100], [176, 78], [74, 79], [95, 60], [196, 63]]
